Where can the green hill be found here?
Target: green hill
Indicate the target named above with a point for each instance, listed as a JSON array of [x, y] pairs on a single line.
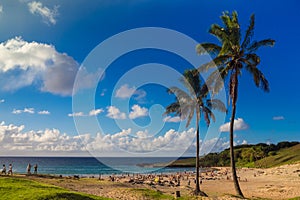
[[259, 155], [283, 156]]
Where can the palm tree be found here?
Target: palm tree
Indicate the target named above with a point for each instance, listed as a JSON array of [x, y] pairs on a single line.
[[191, 102], [231, 57]]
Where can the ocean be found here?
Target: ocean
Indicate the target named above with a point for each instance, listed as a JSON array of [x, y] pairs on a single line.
[[89, 165]]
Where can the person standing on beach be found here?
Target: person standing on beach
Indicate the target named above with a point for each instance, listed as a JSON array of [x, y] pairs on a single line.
[[3, 170], [28, 169], [10, 172], [35, 168]]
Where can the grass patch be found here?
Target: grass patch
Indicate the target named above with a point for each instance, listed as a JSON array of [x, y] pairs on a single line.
[[14, 188], [152, 194]]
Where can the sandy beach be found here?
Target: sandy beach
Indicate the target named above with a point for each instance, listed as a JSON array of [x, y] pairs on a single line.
[[273, 183]]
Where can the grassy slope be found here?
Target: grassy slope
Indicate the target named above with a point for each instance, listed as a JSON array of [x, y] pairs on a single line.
[[12, 188], [284, 156]]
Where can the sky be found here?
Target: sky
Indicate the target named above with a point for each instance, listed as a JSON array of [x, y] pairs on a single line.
[[82, 78]]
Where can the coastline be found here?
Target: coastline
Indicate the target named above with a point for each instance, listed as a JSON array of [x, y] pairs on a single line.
[[281, 182]]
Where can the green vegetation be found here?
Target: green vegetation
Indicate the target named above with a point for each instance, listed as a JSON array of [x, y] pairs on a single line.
[[13, 188], [296, 198], [259, 155], [151, 194], [283, 156]]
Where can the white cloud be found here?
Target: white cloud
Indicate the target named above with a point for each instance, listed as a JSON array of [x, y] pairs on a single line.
[[2, 100], [277, 118], [239, 124], [25, 110], [137, 112], [76, 114], [95, 112], [172, 119], [244, 142], [141, 142], [48, 15], [15, 140], [1, 9], [114, 113], [125, 92], [25, 63], [44, 112]]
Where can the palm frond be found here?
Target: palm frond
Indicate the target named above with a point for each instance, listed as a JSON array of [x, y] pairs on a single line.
[[249, 32], [208, 114], [179, 93], [252, 59], [208, 48], [216, 104], [172, 108], [259, 78], [190, 117], [220, 33], [256, 45], [191, 81], [218, 61]]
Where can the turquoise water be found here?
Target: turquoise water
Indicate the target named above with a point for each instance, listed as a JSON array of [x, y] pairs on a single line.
[[88, 165]]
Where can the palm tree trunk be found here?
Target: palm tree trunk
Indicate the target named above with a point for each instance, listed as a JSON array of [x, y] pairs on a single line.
[[197, 189], [232, 159]]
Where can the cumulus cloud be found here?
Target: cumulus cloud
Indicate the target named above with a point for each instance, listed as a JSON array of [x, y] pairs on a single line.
[[172, 119], [125, 92], [1, 9], [76, 114], [2, 100], [114, 113], [48, 15], [93, 112], [141, 141], [25, 110], [138, 111], [44, 112], [14, 138], [277, 118], [96, 112], [239, 124], [25, 63]]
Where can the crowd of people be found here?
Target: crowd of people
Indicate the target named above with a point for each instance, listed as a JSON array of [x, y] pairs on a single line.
[[10, 169]]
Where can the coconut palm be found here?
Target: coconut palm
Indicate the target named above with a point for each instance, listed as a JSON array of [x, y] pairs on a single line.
[[232, 56], [193, 102]]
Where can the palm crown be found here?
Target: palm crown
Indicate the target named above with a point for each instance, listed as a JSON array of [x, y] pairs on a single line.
[[234, 54]]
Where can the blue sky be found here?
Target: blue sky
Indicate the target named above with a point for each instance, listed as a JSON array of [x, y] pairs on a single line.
[[43, 44]]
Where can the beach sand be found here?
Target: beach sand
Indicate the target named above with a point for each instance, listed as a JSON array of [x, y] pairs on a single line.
[[274, 183]]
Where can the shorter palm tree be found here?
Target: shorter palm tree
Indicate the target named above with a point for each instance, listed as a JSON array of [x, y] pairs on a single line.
[[191, 102]]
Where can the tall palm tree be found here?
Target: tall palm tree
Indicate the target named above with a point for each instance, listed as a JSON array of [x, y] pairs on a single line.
[[233, 55], [193, 102]]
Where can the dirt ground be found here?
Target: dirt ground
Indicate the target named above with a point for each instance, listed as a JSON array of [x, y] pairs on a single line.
[[275, 183]]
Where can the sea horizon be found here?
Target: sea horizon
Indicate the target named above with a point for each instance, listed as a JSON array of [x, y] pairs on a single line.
[[91, 166]]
